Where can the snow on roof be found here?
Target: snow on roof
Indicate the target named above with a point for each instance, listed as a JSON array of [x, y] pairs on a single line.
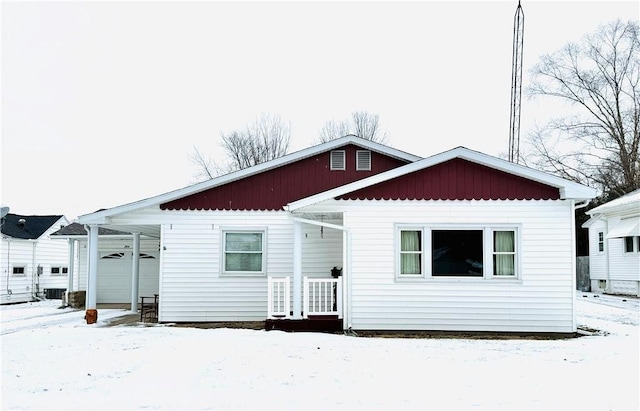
[[621, 203]]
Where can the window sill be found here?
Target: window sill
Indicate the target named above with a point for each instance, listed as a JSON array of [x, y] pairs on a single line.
[[458, 280], [236, 275]]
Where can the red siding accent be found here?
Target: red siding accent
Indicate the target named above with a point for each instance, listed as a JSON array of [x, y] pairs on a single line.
[[457, 179], [273, 189]]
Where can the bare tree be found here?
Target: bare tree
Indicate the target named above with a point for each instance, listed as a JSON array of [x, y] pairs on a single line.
[[599, 76], [267, 138], [361, 124]]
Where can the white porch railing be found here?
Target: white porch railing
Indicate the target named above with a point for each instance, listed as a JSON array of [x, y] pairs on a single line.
[[279, 297], [322, 296]]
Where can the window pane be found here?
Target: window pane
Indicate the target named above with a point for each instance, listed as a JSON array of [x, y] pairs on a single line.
[[457, 253], [410, 240], [243, 262], [628, 244], [503, 241], [410, 264], [243, 242], [504, 264]]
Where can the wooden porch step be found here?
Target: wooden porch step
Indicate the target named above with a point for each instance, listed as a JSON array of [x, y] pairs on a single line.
[[314, 324]]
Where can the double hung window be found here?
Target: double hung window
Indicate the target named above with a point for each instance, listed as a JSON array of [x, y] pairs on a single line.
[[441, 252], [243, 252]]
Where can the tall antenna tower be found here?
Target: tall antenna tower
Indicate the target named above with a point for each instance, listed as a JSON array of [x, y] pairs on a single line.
[[516, 85]]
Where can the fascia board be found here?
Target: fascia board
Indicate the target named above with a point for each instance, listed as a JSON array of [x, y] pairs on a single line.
[[568, 189], [628, 202], [99, 216]]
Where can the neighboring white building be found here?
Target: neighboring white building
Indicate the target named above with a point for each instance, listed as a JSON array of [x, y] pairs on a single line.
[[614, 245], [30, 261], [459, 241]]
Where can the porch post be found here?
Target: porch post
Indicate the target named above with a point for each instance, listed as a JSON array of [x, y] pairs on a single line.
[[91, 314], [297, 270], [72, 253], [135, 272]]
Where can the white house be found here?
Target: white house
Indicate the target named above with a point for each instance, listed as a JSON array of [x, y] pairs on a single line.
[[374, 237], [32, 264], [614, 245]]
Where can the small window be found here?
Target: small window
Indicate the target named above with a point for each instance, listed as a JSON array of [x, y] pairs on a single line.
[[363, 160], [113, 256], [600, 241], [504, 253], [410, 252], [18, 270], [59, 270], [145, 256], [338, 160], [628, 244], [243, 252]]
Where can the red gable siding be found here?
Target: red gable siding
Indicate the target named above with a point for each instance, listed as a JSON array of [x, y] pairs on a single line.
[[457, 179], [273, 189]]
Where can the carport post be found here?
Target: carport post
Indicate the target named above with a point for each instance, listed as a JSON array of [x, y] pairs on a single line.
[[70, 267], [91, 314], [297, 270], [135, 273]]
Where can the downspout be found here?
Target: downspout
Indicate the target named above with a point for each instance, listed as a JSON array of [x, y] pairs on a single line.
[[346, 300]]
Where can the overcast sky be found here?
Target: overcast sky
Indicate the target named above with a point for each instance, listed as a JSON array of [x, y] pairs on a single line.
[[102, 102]]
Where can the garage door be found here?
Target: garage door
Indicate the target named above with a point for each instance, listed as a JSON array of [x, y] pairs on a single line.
[[114, 276]]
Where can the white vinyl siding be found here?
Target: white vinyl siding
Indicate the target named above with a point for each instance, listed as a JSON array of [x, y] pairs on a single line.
[[624, 275], [192, 286], [597, 258], [541, 299]]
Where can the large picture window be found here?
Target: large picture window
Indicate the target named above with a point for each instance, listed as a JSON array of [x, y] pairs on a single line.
[[441, 252], [457, 253], [243, 252]]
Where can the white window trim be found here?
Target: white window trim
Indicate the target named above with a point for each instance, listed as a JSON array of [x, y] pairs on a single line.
[[223, 232], [23, 266], [487, 244], [344, 160], [358, 165]]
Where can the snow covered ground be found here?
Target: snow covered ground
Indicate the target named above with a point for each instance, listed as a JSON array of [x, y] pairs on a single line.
[[51, 360]]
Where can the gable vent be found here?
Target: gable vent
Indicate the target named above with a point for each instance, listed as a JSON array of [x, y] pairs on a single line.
[[338, 160], [363, 160]]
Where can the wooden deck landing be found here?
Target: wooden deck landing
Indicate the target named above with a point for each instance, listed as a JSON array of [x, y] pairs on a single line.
[[315, 324]]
